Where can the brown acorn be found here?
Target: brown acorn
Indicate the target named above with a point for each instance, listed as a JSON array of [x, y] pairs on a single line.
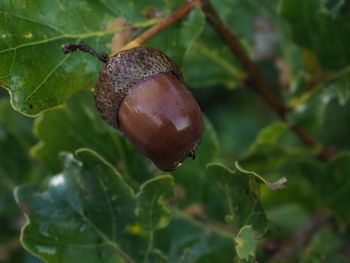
[[141, 93]]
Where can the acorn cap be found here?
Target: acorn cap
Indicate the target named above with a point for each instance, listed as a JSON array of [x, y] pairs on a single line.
[[124, 71]]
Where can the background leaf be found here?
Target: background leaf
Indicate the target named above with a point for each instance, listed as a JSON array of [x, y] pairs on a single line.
[[15, 139], [330, 182], [320, 30], [15, 168]]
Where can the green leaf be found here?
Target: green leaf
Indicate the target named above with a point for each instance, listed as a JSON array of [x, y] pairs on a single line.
[[280, 184], [330, 183], [193, 180], [242, 198], [323, 247], [310, 109], [34, 69], [276, 155], [137, 9], [246, 243], [150, 211], [88, 211], [79, 125], [187, 240], [20, 126], [288, 215], [15, 167], [177, 40], [220, 67], [12, 153], [336, 126], [320, 30], [270, 134], [275, 147], [152, 214], [341, 87], [76, 125]]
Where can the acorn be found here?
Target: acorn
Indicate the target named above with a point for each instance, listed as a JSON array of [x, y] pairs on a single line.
[[141, 93]]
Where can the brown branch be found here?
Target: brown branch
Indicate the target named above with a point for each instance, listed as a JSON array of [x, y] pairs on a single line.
[[254, 73], [256, 78], [165, 23]]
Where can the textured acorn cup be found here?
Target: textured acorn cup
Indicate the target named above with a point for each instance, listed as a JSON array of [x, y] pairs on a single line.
[[141, 93]]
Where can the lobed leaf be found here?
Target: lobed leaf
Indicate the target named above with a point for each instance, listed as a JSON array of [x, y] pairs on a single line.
[[187, 241], [88, 211], [34, 69], [242, 198], [79, 125]]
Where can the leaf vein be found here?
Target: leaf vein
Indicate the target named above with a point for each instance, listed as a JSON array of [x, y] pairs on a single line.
[[103, 186], [32, 20], [60, 63]]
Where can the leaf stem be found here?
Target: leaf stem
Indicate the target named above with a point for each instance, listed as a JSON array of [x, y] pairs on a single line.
[[256, 79], [165, 23]]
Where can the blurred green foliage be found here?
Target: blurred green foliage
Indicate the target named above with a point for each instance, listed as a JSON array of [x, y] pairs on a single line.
[[88, 196]]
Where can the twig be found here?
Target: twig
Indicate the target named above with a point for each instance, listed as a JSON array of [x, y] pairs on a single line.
[[254, 73], [256, 79], [166, 22]]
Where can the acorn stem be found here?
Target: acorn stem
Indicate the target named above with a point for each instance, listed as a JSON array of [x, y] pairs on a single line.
[[192, 154], [71, 47]]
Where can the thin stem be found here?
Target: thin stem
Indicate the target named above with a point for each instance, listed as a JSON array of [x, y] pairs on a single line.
[[71, 47], [165, 23], [256, 79]]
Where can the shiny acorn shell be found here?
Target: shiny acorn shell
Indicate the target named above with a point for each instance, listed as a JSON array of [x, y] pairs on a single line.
[[141, 93], [124, 71]]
